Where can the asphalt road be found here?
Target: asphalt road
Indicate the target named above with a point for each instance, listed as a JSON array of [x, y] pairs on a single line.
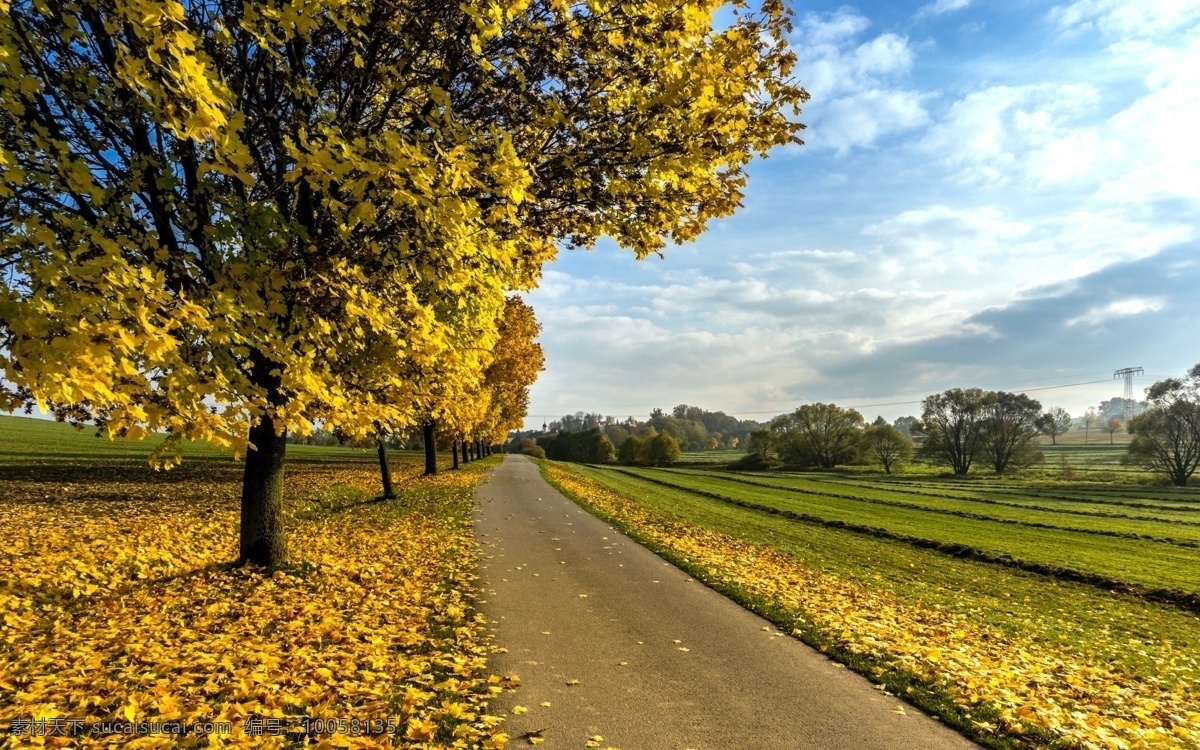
[[625, 646]]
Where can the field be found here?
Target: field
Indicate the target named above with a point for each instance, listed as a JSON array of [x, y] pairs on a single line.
[[120, 603], [1026, 613], [25, 440]]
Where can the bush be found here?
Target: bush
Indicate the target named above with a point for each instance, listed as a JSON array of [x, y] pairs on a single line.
[[754, 462], [534, 451], [662, 450], [588, 447]]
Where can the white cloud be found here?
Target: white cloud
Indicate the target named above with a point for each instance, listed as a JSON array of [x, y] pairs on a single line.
[[862, 118], [940, 7], [987, 136], [1119, 309], [1125, 18], [857, 85]]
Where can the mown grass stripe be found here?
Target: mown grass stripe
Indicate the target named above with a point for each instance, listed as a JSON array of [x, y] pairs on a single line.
[[957, 513], [743, 479], [1182, 599], [1180, 505], [883, 487]]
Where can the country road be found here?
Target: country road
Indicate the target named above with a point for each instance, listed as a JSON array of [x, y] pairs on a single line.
[[627, 647]]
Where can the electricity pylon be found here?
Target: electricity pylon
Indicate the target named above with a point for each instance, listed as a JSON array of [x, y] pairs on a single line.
[[1128, 374]]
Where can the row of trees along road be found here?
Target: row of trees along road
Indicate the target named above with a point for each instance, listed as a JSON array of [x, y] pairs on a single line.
[[228, 221]]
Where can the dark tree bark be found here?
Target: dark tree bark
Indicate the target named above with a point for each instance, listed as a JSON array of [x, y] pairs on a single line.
[[429, 434], [466, 458], [389, 490], [454, 452], [262, 537]]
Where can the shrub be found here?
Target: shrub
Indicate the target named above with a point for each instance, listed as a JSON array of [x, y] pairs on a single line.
[[662, 450]]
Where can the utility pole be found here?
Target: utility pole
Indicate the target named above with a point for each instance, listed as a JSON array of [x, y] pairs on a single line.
[[1127, 373]]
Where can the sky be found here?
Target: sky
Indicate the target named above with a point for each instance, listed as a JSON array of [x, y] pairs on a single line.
[[994, 194]]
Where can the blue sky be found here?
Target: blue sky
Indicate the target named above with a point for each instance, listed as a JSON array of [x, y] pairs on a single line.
[[995, 194]]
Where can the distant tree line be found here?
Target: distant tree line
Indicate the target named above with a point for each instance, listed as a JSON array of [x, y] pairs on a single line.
[[958, 429]]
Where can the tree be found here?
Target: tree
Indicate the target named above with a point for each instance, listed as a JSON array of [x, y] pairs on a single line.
[[1112, 426], [907, 426], [211, 208], [952, 422], [517, 360], [761, 442], [631, 451], [713, 444], [1054, 423], [818, 435], [1115, 407], [1089, 419], [1166, 437], [1009, 430], [886, 444], [589, 446], [530, 448], [661, 450]]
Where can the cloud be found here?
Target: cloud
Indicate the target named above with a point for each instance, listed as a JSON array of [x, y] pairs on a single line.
[[1142, 312], [1124, 18], [990, 136], [1118, 309], [940, 7], [856, 84], [863, 118]]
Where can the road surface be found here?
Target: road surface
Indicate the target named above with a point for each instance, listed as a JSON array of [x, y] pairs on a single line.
[[629, 648]]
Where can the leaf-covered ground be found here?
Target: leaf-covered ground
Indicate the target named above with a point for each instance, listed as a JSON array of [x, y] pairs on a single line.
[[119, 603], [1003, 686]]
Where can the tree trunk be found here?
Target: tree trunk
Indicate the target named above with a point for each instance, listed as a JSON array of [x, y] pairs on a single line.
[[262, 537], [429, 434], [454, 452], [466, 458], [389, 490]]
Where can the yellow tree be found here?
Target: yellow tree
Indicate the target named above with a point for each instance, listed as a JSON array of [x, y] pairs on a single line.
[[209, 208], [516, 363]]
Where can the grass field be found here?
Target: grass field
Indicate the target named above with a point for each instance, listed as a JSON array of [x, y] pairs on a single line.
[[717, 457], [26, 440], [1070, 608], [120, 603]]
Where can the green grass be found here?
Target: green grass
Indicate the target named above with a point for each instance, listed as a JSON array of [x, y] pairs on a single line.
[[1103, 625], [25, 440], [716, 457], [1072, 543]]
